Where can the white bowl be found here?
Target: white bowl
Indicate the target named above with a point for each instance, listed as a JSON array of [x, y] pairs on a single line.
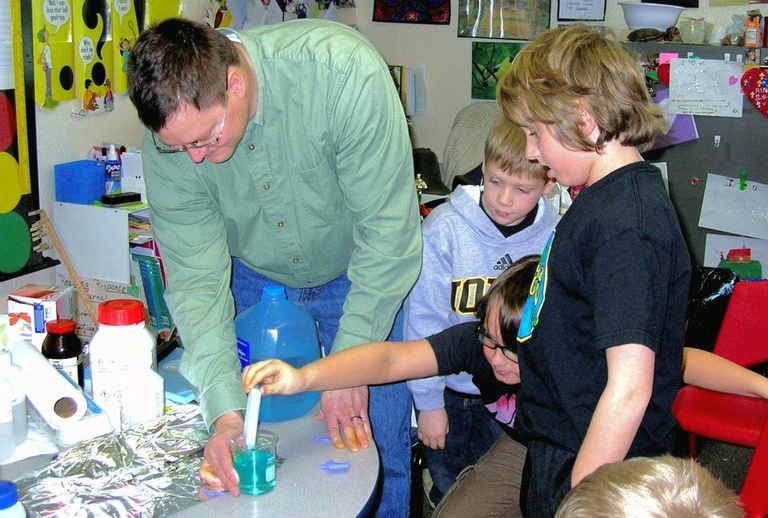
[[650, 16]]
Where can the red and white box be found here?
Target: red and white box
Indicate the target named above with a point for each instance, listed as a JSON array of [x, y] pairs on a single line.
[[38, 304]]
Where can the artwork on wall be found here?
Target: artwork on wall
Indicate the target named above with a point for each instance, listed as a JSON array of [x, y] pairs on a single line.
[[490, 62], [435, 12], [581, 10], [503, 19], [81, 49]]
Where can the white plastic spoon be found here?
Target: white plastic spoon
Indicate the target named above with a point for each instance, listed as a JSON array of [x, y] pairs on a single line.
[[252, 417]]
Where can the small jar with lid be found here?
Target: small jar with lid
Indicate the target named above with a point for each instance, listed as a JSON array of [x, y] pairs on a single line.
[[63, 348]]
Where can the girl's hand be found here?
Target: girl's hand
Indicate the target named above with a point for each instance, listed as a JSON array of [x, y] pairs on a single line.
[[275, 377]]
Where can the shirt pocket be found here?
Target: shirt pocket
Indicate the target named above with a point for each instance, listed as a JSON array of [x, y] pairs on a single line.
[[319, 197]]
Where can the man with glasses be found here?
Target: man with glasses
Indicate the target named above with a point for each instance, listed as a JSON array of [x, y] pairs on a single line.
[[280, 155]]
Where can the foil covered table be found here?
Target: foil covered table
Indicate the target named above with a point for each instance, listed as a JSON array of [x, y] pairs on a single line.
[[149, 470]]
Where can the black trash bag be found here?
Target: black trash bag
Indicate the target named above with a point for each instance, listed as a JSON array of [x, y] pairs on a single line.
[[708, 297]]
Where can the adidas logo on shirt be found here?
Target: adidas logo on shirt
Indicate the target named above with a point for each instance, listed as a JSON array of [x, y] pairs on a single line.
[[503, 263]]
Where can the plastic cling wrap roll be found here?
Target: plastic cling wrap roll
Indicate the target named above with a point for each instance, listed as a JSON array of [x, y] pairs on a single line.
[[55, 399]]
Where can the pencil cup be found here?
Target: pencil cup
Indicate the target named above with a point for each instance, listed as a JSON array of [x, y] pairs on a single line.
[[255, 466], [692, 31]]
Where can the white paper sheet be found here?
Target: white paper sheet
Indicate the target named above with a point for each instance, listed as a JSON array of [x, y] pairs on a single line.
[[705, 87], [728, 208]]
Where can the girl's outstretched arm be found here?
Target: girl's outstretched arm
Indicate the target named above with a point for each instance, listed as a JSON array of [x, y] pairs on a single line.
[[368, 364], [706, 370]]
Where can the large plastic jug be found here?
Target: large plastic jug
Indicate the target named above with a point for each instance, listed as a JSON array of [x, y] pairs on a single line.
[[276, 328]]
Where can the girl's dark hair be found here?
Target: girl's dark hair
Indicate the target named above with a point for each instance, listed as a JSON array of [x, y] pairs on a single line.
[[509, 292]]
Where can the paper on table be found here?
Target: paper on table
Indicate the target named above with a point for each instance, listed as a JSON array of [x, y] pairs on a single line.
[[56, 399]]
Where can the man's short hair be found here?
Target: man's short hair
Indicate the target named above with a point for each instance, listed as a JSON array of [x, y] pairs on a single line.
[[178, 63], [655, 487]]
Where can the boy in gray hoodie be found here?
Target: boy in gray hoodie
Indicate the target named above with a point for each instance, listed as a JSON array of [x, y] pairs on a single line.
[[468, 242]]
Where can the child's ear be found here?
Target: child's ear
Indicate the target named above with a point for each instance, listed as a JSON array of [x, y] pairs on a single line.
[[589, 124]]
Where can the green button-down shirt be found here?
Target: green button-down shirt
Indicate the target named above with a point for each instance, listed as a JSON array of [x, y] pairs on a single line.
[[321, 183]]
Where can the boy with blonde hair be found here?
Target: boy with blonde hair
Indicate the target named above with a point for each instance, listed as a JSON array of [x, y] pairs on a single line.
[[601, 340], [468, 242], [658, 487]]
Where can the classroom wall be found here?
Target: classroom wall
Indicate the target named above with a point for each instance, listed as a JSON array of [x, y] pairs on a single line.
[[62, 137], [448, 58]]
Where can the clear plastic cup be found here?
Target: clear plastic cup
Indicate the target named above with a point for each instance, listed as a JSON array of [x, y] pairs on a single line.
[[255, 466], [692, 31]]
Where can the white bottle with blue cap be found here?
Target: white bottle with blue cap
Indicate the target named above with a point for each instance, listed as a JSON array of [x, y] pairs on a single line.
[[10, 506]]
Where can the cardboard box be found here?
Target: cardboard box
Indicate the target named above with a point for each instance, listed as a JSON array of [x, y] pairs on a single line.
[[41, 304]]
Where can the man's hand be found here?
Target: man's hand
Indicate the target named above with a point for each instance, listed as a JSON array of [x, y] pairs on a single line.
[[347, 409], [433, 427], [216, 471]]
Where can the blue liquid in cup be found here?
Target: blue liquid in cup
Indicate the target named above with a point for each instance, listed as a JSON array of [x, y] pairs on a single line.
[[256, 470]]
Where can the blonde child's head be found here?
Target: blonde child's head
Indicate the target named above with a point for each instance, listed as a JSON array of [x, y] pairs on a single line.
[[512, 185], [564, 72], [657, 487], [505, 147]]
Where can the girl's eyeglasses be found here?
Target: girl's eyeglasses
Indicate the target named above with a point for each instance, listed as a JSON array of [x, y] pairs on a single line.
[[488, 341]]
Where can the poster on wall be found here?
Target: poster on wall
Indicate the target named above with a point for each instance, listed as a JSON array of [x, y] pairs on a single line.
[[581, 10], [435, 12], [94, 58], [54, 53], [490, 62], [81, 48], [503, 19]]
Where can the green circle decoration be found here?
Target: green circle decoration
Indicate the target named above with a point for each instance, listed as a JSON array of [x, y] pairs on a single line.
[[15, 242]]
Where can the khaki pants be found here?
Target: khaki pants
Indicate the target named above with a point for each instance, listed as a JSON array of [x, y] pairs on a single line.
[[489, 488]]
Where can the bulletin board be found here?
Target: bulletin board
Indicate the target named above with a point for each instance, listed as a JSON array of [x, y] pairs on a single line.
[[18, 174], [726, 147]]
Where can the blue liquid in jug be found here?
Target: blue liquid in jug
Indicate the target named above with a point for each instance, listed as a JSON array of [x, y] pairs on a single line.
[[276, 328]]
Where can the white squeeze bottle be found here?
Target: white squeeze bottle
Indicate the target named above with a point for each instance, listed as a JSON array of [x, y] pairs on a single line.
[[7, 442], [13, 375], [124, 364]]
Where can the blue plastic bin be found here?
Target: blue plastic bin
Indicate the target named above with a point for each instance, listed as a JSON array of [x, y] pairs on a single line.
[[80, 182]]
